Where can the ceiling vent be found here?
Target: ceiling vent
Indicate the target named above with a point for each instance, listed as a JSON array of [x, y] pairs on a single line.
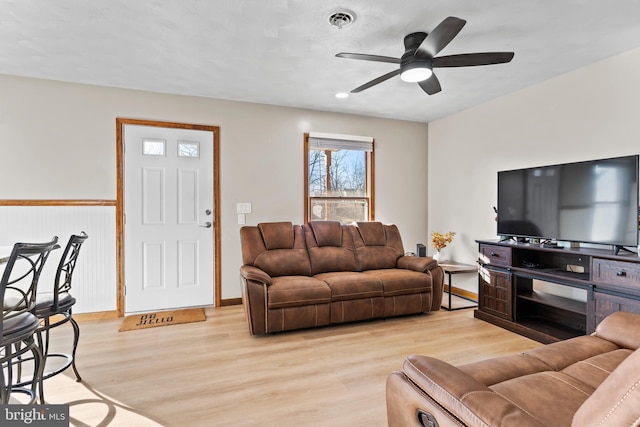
[[342, 18]]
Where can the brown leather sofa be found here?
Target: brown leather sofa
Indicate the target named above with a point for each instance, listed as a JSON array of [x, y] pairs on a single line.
[[585, 381], [325, 273]]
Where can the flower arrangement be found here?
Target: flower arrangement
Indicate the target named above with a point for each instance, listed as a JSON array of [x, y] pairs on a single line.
[[439, 240]]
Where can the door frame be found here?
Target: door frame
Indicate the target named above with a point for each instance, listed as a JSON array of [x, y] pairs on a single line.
[[217, 273]]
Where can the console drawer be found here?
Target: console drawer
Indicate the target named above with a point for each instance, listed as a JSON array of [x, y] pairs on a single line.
[[495, 255], [618, 273]]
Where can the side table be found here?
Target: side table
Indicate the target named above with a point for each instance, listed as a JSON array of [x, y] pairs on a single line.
[[453, 267]]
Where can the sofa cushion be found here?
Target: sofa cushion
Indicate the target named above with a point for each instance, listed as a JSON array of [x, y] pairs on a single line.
[[573, 369], [294, 291], [550, 397], [376, 245], [282, 262], [594, 370], [349, 285], [616, 402], [326, 233], [372, 233], [330, 247], [561, 354], [277, 235], [397, 281], [499, 369], [284, 256]]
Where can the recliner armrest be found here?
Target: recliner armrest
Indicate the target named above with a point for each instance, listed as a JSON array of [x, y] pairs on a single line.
[[471, 401], [422, 264], [621, 328], [249, 272]]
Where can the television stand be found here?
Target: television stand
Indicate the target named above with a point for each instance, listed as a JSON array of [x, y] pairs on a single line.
[[553, 245], [551, 294]]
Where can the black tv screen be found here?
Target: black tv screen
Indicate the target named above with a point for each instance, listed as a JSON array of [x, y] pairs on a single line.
[[592, 202]]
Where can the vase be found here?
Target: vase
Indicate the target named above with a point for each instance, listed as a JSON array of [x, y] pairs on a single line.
[[437, 254]]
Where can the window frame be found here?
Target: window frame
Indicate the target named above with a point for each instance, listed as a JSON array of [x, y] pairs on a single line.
[[369, 179]]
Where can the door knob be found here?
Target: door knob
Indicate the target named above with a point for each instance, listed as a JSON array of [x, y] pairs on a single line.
[[207, 224]]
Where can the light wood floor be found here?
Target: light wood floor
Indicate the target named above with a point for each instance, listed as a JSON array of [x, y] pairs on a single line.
[[214, 373]]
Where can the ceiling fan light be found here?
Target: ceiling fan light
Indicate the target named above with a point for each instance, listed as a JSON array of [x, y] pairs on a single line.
[[417, 74]]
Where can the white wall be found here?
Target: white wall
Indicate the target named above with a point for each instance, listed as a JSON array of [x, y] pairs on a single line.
[[58, 141], [589, 113], [95, 273]]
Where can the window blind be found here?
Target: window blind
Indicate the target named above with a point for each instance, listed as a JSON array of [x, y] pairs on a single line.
[[328, 141]]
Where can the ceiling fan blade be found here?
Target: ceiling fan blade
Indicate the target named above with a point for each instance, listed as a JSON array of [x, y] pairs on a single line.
[[365, 57], [376, 81], [440, 37], [472, 59], [431, 85]]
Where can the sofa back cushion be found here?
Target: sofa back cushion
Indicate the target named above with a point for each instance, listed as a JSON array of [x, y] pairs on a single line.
[[616, 401], [277, 248], [277, 235], [376, 245], [330, 247]]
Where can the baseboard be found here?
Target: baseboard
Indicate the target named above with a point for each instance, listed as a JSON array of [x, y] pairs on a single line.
[[462, 292], [102, 315], [98, 315]]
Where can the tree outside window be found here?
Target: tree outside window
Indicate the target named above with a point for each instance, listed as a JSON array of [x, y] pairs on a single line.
[[338, 178]]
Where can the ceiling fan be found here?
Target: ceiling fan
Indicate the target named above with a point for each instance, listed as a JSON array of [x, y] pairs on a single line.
[[419, 59]]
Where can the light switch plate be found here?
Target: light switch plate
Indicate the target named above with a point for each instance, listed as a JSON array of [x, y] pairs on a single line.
[[241, 219], [243, 208]]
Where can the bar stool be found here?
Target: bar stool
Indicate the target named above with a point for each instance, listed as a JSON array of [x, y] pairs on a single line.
[[55, 309], [18, 325]]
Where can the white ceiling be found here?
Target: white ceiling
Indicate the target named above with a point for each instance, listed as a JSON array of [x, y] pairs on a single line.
[[282, 52]]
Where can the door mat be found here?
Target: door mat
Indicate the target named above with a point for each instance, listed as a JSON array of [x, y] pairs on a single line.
[[162, 318]]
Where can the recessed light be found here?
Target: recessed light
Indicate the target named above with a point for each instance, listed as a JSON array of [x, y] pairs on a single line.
[[342, 95]]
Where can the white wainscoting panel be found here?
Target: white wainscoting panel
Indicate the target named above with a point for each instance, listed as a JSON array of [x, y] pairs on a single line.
[[95, 278]]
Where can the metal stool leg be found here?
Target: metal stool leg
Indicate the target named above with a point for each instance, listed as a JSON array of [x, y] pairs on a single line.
[[76, 338]]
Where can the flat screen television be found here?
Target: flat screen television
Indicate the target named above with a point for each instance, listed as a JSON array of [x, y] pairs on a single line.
[[593, 201]]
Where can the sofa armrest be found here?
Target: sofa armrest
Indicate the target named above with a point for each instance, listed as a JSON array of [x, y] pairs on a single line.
[[457, 393], [249, 272], [428, 266], [415, 263], [254, 283]]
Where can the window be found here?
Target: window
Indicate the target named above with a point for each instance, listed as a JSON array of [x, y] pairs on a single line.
[[338, 177]]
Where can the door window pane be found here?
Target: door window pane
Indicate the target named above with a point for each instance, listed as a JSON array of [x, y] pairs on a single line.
[[188, 149], [153, 147]]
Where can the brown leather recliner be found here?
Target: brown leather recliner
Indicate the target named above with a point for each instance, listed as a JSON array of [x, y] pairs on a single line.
[[322, 273], [581, 382]]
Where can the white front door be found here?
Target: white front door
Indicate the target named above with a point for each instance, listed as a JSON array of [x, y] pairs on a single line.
[[168, 228]]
